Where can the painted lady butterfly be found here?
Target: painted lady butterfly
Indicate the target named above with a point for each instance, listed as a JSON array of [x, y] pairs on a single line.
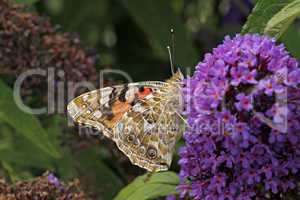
[[142, 118]]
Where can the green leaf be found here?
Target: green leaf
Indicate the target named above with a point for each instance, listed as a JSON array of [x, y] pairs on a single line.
[[55, 6], [282, 20], [19, 150], [15, 174], [24, 123], [26, 158], [291, 39], [64, 165], [21, 154], [156, 18], [5, 139], [4, 145], [29, 2], [160, 184], [101, 178], [261, 14]]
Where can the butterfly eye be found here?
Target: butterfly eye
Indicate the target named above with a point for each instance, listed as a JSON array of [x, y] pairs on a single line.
[[152, 153]]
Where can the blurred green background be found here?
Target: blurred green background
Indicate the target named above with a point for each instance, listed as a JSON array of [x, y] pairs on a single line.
[[133, 35], [130, 35]]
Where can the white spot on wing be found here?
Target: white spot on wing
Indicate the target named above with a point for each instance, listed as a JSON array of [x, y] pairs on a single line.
[[120, 127], [148, 127], [104, 95], [73, 110], [97, 114], [130, 94], [149, 96], [138, 108], [104, 100], [85, 97]]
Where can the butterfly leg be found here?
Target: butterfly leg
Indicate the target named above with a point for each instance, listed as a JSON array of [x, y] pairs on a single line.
[[149, 175]]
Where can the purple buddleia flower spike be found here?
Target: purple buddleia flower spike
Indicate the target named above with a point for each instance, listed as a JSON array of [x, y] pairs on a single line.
[[238, 96]]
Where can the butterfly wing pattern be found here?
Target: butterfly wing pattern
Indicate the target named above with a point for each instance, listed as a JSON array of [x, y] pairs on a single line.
[[142, 118]]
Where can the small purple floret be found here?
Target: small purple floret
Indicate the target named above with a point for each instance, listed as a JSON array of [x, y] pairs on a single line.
[[53, 180]]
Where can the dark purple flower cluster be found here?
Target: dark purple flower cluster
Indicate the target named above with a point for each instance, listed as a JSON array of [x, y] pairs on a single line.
[[45, 187], [243, 112], [235, 13], [29, 41]]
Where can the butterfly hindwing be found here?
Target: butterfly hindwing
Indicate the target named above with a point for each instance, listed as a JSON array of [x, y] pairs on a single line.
[[147, 133], [147, 138]]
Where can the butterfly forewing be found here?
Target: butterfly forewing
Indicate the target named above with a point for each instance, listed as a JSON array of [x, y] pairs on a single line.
[[103, 108]]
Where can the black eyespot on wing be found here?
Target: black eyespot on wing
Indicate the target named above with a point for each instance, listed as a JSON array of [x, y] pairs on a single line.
[[141, 89], [142, 150], [130, 138], [112, 96], [152, 153], [122, 96]]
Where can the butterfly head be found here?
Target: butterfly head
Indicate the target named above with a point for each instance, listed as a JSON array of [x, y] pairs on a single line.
[[177, 77]]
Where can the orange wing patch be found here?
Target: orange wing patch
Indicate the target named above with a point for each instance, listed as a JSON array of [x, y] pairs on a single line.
[[120, 107], [118, 110]]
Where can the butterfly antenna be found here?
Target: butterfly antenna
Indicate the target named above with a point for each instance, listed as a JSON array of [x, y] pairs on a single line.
[[171, 60], [173, 46], [171, 50]]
